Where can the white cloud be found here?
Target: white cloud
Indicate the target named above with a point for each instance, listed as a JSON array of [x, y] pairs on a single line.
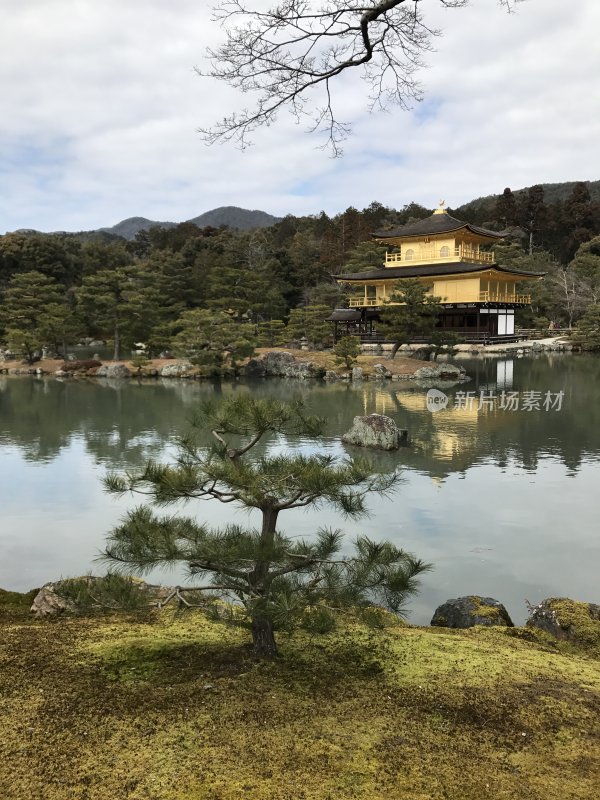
[[101, 106]]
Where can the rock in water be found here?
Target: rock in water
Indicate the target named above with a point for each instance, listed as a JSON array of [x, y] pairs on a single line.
[[442, 371], [357, 374], [465, 612], [376, 430]]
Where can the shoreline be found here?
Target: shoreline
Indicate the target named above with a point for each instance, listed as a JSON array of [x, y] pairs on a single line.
[[308, 364], [301, 364]]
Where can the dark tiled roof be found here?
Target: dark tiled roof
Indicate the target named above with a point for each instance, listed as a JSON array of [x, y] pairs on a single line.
[[431, 270], [436, 223], [344, 315]]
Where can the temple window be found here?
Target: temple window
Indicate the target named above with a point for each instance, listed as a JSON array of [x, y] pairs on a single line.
[[408, 256], [444, 251]]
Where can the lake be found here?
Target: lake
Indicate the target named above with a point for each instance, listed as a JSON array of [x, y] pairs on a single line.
[[500, 489]]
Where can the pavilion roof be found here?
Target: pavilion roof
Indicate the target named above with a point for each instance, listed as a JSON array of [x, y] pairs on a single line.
[[344, 315], [435, 224], [432, 270]]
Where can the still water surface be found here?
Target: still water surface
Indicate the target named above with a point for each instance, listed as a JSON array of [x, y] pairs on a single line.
[[505, 503]]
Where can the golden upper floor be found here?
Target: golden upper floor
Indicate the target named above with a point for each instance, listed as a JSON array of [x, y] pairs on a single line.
[[439, 238]]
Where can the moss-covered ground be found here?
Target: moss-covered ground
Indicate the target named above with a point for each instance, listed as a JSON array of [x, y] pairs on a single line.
[[174, 708]]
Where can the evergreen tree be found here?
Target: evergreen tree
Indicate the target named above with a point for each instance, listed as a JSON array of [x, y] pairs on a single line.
[[271, 333], [347, 350], [580, 218], [98, 256], [365, 256], [34, 313], [506, 209], [304, 252], [276, 577], [415, 318], [588, 329], [213, 341], [44, 253], [121, 304], [325, 294], [587, 263], [247, 283], [533, 214], [310, 322]]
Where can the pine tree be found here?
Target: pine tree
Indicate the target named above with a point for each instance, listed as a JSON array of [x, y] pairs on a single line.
[[588, 329], [34, 313], [347, 350], [415, 318], [310, 322], [121, 304], [580, 219], [506, 209], [533, 214], [364, 257], [275, 577], [213, 340], [271, 333], [247, 283]]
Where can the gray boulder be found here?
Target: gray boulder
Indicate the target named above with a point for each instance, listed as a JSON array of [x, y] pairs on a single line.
[[113, 371], [282, 364], [465, 612], [443, 371], [376, 430], [381, 371], [53, 599], [331, 375], [255, 368], [357, 374], [48, 603], [177, 370], [568, 619]]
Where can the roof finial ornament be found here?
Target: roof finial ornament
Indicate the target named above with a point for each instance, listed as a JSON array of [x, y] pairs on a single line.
[[442, 208]]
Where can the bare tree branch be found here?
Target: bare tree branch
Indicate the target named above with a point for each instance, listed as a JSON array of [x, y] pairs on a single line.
[[297, 47]]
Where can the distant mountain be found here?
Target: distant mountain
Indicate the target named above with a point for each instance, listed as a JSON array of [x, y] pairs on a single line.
[[128, 228], [483, 207], [231, 216], [235, 217]]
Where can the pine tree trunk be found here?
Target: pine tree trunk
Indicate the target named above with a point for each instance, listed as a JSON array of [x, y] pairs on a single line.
[[117, 350], [263, 638], [394, 350]]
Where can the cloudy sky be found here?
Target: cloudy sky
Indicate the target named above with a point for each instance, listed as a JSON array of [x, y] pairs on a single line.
[[101, 106]]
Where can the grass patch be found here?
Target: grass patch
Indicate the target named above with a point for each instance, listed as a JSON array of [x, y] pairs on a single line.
[[174, 707]]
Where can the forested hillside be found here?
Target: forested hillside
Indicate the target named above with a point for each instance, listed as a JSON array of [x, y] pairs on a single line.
[[58, 288]]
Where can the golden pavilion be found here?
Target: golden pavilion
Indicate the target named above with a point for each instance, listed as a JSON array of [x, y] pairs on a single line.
[[455, 260]]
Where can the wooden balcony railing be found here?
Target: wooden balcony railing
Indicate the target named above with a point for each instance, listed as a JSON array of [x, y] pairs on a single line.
[[495, 297], [431, 254], [362, 302], [484, 297]]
